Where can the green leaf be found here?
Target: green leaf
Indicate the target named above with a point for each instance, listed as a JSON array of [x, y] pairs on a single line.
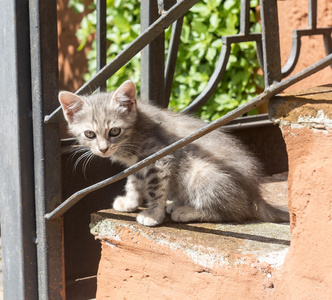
[[201, 9], [121, 22], [216, 44], [231, 21], [199, 26], [226, 31], [228, 4], [215, 21], [185, 34], [211, 54], [254, 3]]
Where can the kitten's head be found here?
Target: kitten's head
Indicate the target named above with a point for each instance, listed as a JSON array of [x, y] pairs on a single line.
[[101, 122]]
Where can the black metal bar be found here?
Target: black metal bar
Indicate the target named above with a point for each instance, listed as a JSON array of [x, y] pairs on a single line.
[[245, 17], [259, 49], [178, 10], [294, 55], [271, 91], [152, 58], [270, 42], [101, 38], [171, 57], [47, 151], [317, 31], [328, 43], [312, 14], [16, 155]]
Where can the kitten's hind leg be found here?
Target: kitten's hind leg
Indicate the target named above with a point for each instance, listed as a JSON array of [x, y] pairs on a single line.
[[133, 197], [171, 205], [187, 213]]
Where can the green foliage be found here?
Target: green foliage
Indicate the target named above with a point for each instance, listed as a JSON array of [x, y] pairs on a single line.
[[199, 50]]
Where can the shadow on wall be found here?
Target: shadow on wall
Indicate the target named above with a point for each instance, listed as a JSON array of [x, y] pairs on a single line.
[[72, 63]]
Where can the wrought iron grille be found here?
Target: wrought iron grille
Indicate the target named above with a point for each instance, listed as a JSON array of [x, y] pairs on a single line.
[[268, 53], [31, 217]]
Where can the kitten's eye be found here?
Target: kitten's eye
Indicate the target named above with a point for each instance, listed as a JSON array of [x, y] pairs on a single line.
[[89, 134], [115, 131]]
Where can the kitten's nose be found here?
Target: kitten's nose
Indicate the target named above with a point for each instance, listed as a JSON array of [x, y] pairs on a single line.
[[103, 150], [103, 146]]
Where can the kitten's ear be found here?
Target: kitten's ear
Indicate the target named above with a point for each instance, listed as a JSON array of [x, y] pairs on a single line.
[[125, 95], [71, 104]]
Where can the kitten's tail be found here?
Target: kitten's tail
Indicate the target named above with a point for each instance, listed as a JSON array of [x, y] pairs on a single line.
[[269, 213]]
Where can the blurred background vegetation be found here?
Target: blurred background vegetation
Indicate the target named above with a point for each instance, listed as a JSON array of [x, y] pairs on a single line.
[[198, 53]]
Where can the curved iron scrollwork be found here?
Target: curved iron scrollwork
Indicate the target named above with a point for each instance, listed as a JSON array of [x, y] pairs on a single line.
[[221, 67], [311, 30], [244, 35]]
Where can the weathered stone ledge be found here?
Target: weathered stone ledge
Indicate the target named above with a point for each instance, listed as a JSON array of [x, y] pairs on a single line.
[[208, 245], [310, 108], [190, 261]]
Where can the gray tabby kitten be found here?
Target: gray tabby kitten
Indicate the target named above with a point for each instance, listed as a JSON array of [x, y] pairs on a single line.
[[212, 179]]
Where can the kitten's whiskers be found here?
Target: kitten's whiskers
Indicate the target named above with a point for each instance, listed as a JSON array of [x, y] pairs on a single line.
[[131, 149], [85, 158]]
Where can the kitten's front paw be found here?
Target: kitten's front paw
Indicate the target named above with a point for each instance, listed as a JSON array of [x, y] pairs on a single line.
[[147, 218], [124, 204]]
